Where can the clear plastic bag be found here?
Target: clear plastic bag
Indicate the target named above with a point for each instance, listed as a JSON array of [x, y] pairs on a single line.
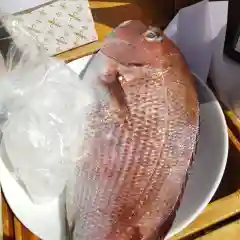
[[43, 109]]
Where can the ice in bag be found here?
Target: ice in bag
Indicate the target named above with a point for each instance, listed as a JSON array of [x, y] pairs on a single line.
[[42, 113]]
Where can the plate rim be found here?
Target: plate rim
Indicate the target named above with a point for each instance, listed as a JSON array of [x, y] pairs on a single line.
[[217, 183], [214, 188]]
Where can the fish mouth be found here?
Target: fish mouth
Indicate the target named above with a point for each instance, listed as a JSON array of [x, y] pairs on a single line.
[[132, 43], [125, 53]]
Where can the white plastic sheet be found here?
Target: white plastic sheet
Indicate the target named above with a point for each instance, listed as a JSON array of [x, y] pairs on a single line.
[[191, 31]]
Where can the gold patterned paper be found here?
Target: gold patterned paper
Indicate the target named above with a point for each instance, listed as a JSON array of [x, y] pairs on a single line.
[[61, 25]]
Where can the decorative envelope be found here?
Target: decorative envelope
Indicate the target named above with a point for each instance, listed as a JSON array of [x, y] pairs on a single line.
[[61, 25]]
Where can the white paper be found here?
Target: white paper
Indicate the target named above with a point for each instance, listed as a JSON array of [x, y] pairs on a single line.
[[172, 29], [199, 31], [191, 31], [218, 13], [14, 6]]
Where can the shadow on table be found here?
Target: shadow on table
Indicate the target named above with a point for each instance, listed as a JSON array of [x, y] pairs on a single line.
[[7, 238], [113, 16], [231, 179]]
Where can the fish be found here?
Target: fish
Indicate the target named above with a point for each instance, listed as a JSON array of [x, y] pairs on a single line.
[[139, 143]]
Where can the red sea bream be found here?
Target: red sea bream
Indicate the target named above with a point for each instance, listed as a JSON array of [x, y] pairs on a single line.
[[140, 139]]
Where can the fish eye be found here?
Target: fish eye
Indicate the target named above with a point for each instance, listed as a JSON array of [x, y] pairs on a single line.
[[152, 36]]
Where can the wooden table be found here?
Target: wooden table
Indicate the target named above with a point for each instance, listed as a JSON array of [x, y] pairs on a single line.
[[220, 219]]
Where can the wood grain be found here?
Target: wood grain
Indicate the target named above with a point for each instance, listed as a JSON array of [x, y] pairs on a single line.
[[80, 52], [214, 213], [7, 215], [234, 139], [234, 124], [21, 232], [228, 232]]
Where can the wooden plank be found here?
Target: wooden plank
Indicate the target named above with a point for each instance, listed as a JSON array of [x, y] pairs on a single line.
[[228, 232], [21, 232], [214, 213], [107, 4], [234, 140], [234, 125], [7, 218], [233, 118], [80, 52], [18, 229]]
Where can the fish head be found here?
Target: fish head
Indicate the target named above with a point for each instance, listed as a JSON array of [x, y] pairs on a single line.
[[135, 51], [134, 44]]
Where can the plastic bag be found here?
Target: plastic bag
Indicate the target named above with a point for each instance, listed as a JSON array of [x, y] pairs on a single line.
[[43, 109]]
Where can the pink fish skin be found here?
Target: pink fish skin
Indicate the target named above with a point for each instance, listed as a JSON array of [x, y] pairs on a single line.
[[130, 182]]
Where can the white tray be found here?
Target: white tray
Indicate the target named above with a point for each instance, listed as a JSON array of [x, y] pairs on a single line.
[[47, 221]]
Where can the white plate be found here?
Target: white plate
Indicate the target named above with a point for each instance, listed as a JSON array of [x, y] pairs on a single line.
[[47, 221]]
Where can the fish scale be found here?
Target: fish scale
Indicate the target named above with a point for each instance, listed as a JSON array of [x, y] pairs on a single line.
[[132, 169]]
